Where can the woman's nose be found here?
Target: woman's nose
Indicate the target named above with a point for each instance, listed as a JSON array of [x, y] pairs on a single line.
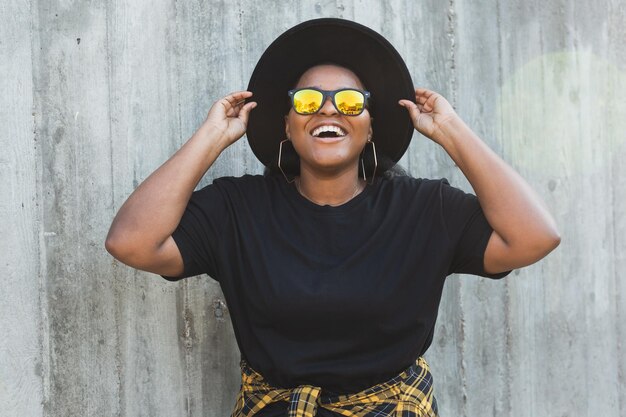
[[328, 108]]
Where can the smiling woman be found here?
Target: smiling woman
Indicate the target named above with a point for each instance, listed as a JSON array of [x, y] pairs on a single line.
[[303, 253]]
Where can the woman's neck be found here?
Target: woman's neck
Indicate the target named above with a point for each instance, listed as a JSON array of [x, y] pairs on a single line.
[[329, 190]]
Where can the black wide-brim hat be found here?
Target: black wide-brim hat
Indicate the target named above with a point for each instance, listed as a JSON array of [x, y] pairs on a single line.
[[367, 53]]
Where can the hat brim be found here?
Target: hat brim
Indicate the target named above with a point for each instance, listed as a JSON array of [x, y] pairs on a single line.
[[375, 61]]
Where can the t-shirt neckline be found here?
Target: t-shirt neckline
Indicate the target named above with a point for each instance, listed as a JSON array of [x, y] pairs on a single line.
[[300, 200]]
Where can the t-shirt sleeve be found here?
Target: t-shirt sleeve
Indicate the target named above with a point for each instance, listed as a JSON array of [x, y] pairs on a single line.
[[468, 231], [198, 233]]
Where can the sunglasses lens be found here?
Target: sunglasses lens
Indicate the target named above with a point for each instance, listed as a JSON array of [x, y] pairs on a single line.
[[307, 101], [350, 102]]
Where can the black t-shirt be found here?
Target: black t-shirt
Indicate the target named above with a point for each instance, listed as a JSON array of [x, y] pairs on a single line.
[[338, 297]]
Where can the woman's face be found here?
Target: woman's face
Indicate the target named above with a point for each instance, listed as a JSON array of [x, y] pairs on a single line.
[[329, 155]]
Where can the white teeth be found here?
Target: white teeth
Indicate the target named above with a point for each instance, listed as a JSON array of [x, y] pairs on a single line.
[[339, 131]]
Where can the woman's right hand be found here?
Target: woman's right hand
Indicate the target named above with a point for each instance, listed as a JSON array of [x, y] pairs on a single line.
[[229, 116]]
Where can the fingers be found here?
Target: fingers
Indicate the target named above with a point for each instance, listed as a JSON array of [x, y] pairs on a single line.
[[412, 108], [233, 103], [237, 106], [415, 112], [430, 101], [237, 96], [422, 91], [422, 96], [426, 99], [244, 113]]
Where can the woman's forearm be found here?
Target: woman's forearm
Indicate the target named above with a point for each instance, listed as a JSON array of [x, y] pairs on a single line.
[[524, 230], [141, 233], [511, 207], [154, 209]]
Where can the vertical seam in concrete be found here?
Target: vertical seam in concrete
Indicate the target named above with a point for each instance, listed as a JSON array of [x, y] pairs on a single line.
[[621, 383], [340, 8], [44, 341], [507, 285], [184, 283], [462, 349], [587, 353], [614, 256], [451, 32], [542, 87], [118, 355], [618, 311], [452, 38], [178, 86], [117, 318], [616, 294], [108, 58]]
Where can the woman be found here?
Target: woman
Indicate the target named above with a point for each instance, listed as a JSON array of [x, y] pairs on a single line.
[[332, 272]]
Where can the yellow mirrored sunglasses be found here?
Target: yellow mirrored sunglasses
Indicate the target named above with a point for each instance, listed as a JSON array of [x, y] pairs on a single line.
[[347, 101]]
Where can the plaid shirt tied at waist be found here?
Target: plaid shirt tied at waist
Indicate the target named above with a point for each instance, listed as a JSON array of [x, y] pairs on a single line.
[[409, 394]]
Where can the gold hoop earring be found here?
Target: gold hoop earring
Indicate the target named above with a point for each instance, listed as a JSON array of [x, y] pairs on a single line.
[[369, 142], [280, 156]]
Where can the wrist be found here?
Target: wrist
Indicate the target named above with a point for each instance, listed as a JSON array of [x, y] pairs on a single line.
[[213, 137], [449, 130]]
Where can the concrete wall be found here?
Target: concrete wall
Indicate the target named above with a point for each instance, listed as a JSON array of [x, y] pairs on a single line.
[[94, 95]]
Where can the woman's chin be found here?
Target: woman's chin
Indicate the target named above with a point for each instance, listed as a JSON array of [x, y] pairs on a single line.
[[330, 166]]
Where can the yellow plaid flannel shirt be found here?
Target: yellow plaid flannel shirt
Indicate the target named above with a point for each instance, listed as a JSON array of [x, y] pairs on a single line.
[[409, 394]]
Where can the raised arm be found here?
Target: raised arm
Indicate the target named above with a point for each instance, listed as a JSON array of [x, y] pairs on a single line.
[[141, 233], [524, 230]]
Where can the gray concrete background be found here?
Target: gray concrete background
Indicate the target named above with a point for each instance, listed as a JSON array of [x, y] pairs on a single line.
[[94, 95]]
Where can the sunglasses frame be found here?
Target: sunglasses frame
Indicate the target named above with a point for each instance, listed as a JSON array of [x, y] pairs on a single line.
[[325, 95]]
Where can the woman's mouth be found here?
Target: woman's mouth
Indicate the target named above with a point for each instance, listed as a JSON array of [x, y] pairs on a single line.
[[328, 133]]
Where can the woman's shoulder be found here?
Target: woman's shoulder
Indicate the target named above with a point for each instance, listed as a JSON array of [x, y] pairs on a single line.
[[240, 180], [250, 185], [245, 181], [418, 191], [406, 182]]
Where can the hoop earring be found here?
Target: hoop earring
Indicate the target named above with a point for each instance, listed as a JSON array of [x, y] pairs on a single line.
[[280, 156], [369, 142]]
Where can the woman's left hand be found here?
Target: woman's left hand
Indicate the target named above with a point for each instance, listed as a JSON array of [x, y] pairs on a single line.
[[429, 112]]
